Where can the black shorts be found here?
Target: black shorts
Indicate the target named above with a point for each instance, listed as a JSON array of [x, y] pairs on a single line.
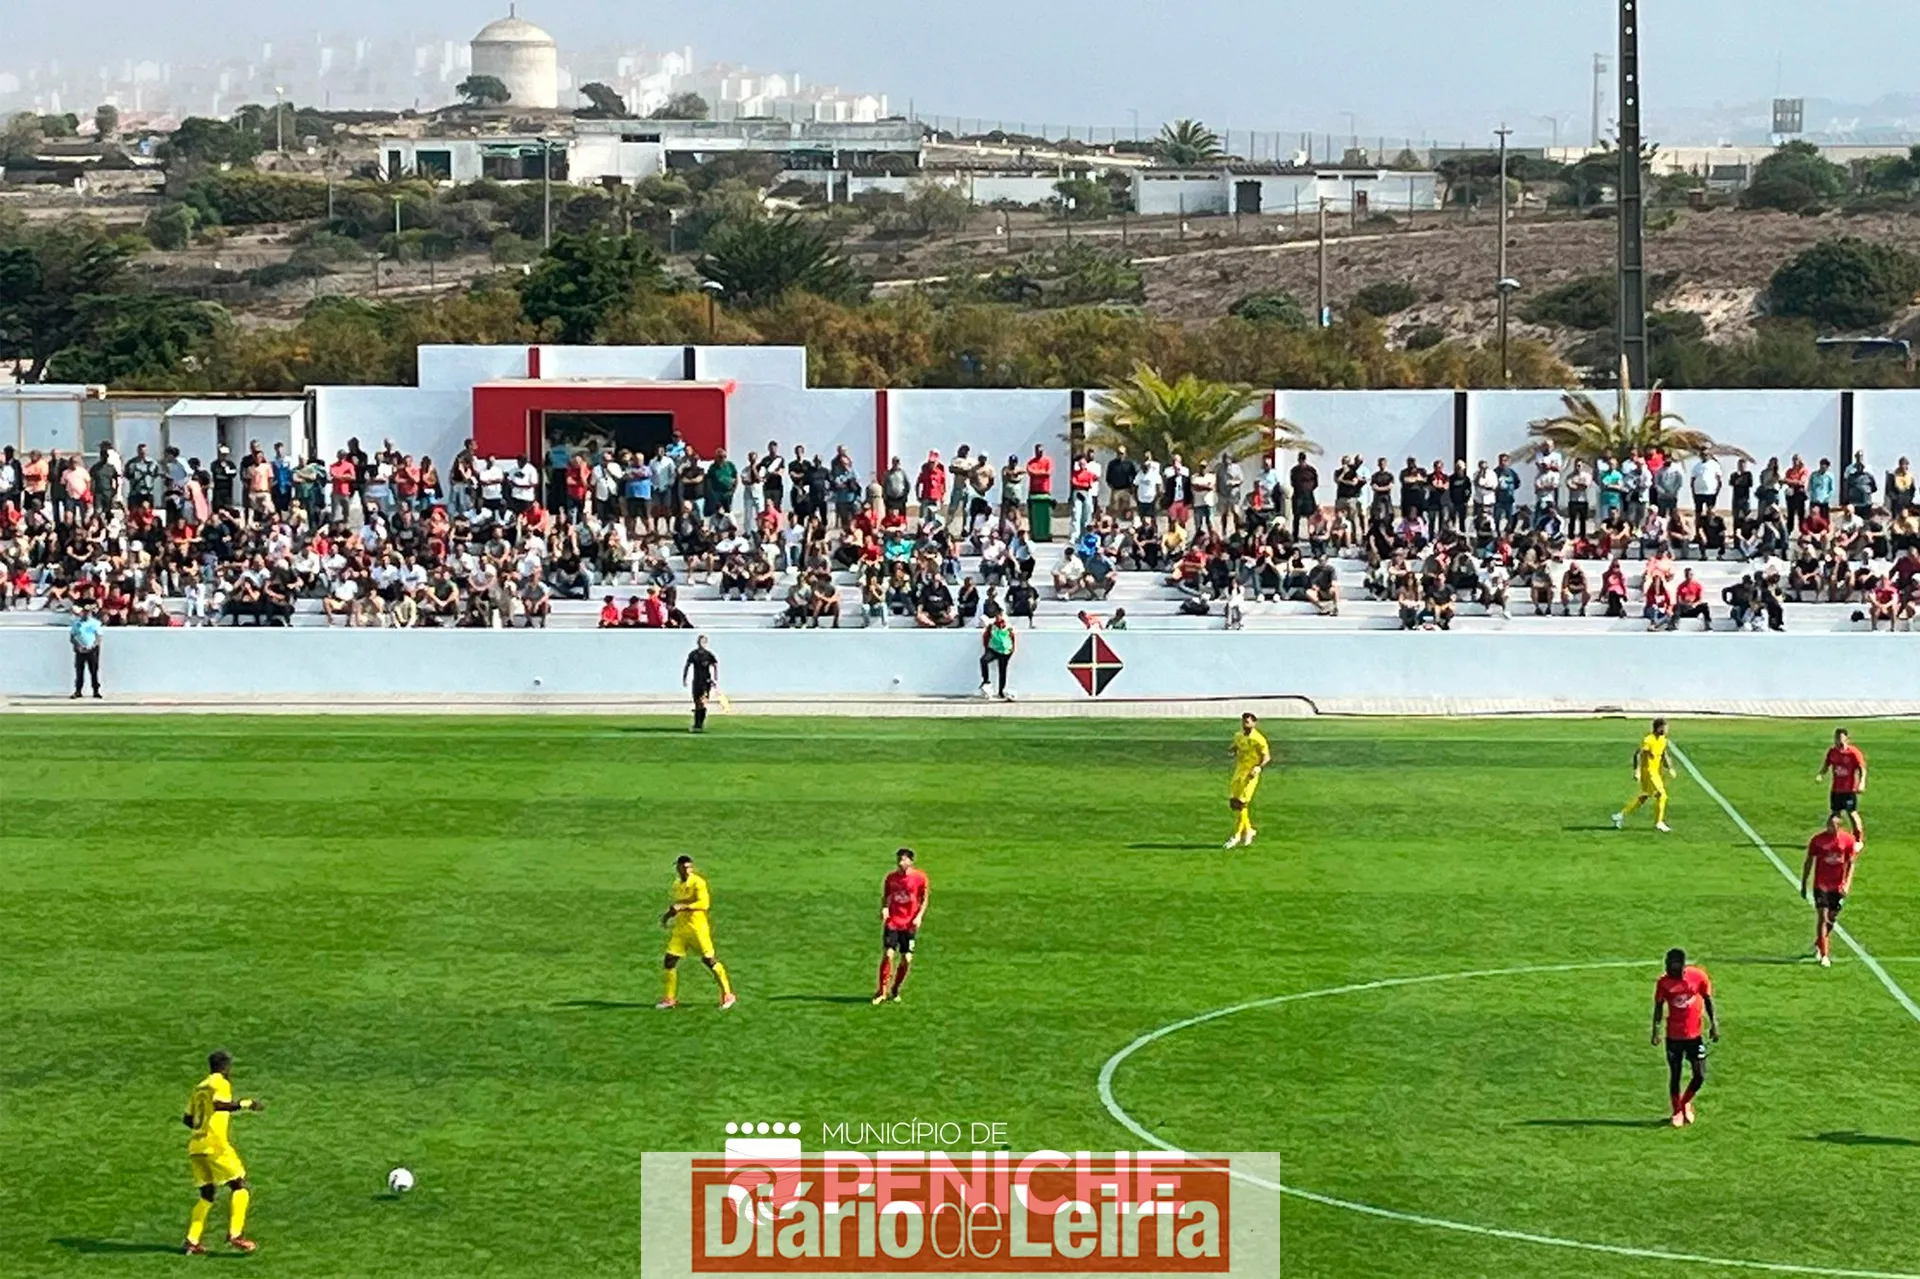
[[1843, 801], [1828, 900], [900, 939], [1680, 1051]]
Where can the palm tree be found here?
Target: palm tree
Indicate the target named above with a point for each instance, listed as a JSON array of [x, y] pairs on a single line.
[[1583, 429], [755, 262], [1187, 142], [1200, 420]]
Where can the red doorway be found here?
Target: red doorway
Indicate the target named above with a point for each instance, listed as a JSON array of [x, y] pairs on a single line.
[[509, 416]]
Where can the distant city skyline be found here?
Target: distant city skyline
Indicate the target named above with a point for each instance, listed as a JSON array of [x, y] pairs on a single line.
[[1375, 68]]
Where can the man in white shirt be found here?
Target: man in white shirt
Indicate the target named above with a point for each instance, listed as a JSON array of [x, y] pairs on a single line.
[[493, 479], [523, 485], [1146, 489], [1706, 486]]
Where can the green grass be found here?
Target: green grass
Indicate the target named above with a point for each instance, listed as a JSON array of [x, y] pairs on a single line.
[[435, 942]]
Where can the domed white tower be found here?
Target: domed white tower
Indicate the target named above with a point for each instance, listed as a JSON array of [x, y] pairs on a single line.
[[522, 57]]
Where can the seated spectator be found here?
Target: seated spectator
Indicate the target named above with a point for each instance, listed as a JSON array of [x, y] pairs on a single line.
[[826, 599], [967, 603], [1658, 606], [609, 614], [340, 600], [666, 607], [1022, 600], [1687, 602], [536, 601], [799, 603], [1806, 573], [1884, 603], [1613, 589], [734, 578], [1323, 588], [873, 598], [634, 615], [1573, 586], [1118, 622], [1069, 579], [935, 605]]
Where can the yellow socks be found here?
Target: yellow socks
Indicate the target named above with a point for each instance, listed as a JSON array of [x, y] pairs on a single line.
[[1660, 807], [197, 1224], [673, 982], [237, 1214], [720, 975]]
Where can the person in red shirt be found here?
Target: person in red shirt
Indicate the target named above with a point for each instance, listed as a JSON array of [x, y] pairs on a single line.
[[1849, 769], [1830, 858], [903, 904], [632, 615], [609, 614], [1685, 993], [1687, 602]]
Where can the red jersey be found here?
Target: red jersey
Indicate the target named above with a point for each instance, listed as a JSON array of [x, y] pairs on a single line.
[[1847, 764], [1685, 997], [1833, 854], [905, 895]]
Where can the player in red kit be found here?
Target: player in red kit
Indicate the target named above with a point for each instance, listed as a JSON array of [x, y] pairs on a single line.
[[1849, 769], [1686, 994], [903, 904], [1830, 858]]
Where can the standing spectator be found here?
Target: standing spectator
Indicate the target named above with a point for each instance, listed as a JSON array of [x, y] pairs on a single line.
[[1081, 477], [225, 473], [464, 481], [1349, 482], [895, 488], [1740, 488], [144, 480], [1040, 495], [1796, 479], [1822, 488], [523, 486], [723, 480], [84, 637], [959, 478], [1304, 482], [1668, 481], [12, 486], [280, 480], [1707, 482], [1506, 483], [1859, 482], [1899, 490], [1013, 488], [1122, 473], [1579, 498], [1229, 491], [997, 643], [1147, 483], [931, 487], [980, 482]]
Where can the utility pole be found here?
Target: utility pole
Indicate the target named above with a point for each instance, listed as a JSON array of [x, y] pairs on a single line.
[[1554, 120], [1599, 95], [279, 120], [546, 193], [1320, 317], [1502, 286], [1631, 214]]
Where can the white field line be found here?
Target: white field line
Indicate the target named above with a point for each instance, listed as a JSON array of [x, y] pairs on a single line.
[[1746, 828], [1134, 1126]]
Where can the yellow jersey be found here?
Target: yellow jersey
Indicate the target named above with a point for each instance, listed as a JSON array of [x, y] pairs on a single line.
[[210, 1125], [693, 898], [1248, 750], [1653, 753]]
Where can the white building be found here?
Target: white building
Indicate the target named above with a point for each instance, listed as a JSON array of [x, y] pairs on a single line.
[[523, 58], [1270, 192]]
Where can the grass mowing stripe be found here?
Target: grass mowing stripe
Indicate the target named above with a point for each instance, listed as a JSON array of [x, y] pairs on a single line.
[[1746, 828]]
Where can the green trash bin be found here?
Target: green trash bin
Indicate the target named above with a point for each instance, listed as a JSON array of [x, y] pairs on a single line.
[[1040, 517]]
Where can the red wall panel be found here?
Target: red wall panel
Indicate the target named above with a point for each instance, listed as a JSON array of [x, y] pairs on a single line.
[[506, 415]]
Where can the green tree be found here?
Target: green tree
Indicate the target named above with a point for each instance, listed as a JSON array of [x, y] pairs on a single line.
[[22, 137], [483, 91], [1276, 307], [106, 120], [1186, 143], [1585, 429], [1198, 419], [131, 339], [1589, 302], [64, 125], [1846, 283], [936, 206], [1082, 199], [683, 106], [605, 103], [170, 227], [756, 262], [49, 274], [1794, 177], [200, 140], [1384, 298], [583, 279]]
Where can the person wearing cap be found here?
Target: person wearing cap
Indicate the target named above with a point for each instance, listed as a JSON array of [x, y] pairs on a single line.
[[931, 487], [225, 473], [84, 635]]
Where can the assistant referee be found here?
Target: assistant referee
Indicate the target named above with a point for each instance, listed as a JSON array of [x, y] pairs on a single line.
[[702, 671]]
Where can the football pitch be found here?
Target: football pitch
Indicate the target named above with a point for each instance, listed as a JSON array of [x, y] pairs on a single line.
[[435, 943]]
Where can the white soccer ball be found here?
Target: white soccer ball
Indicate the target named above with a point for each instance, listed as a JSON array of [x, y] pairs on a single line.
[[399, 1181]]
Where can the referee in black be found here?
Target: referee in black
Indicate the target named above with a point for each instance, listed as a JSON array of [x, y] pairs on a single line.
[[702, 671]]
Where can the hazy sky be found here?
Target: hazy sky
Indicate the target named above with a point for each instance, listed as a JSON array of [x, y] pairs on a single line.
[[1401, 66]]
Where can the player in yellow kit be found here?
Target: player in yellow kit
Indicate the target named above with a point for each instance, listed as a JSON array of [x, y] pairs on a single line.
[[210, 1150], [689, 931], [1250, 756], [1651, 768]]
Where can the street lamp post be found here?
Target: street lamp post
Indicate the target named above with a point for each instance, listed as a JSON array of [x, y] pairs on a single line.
[[546, 193], [1504, 285], [713, 290], [1320, 317], [279, 120]]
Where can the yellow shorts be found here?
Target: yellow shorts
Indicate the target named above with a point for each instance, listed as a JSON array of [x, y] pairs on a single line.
[[1652, 784], [690, 936], [1242, 787], [217, 1168]]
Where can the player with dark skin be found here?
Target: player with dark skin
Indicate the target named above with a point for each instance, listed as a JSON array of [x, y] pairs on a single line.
[[1680, 986], [221, 1063]]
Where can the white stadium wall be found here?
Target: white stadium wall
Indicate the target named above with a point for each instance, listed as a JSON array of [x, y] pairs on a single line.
[[1766, 423], [424, 423], [648, 363], [1886, 425], [1415, 671], [820, 420], [997, 423], [1395, 425], [448, 368]]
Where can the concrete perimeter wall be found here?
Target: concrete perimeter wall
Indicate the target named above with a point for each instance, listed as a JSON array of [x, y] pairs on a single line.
[[1577, 670]]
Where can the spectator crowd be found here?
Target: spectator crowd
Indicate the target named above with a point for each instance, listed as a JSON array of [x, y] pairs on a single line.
[[383, 538]]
